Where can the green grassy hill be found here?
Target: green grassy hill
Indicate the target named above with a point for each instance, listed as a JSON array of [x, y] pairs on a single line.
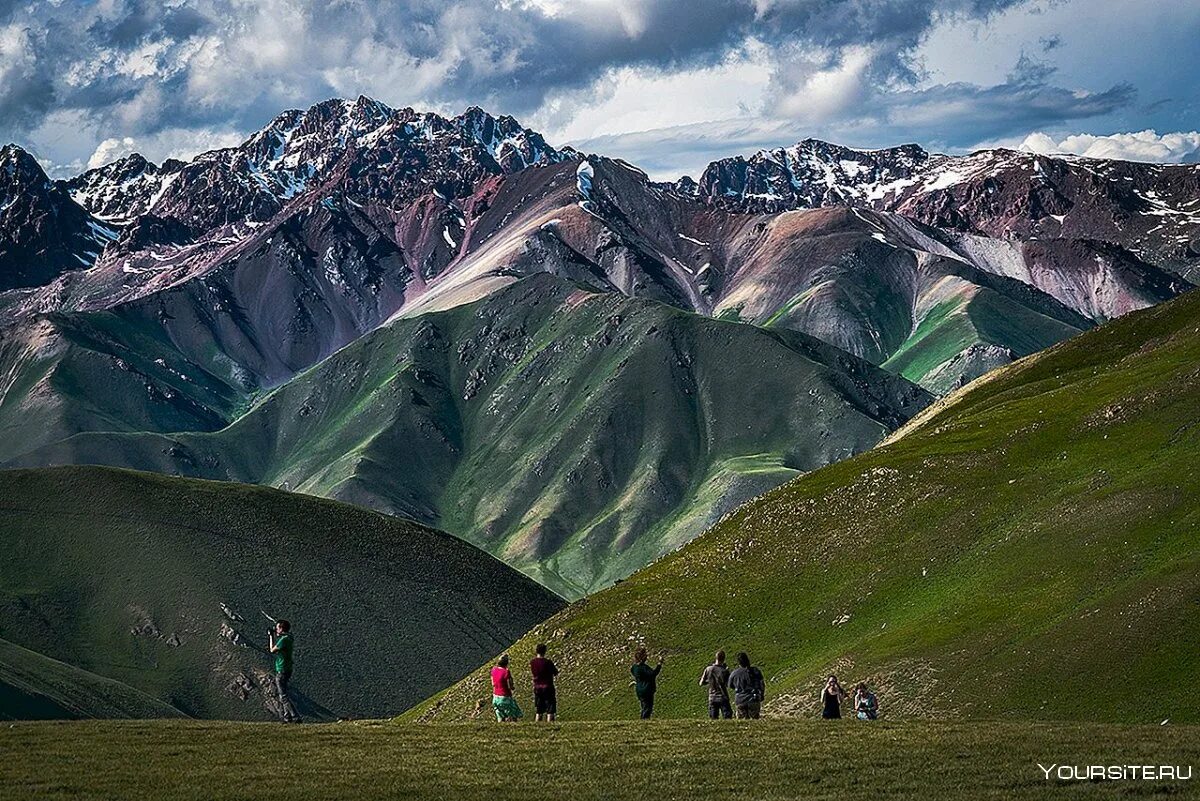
[[1029, 548], [127, 593], [576, 435], [97, 371], [973, 324], [35, 687]]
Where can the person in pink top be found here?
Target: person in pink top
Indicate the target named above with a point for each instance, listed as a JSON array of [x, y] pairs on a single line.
[[503, 703]]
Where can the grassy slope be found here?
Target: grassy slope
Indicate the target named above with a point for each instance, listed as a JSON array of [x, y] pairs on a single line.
[[575, 435], [102, 568], [98, 372], [952, 328], [33, 686], [1029, 551], [610, 761]]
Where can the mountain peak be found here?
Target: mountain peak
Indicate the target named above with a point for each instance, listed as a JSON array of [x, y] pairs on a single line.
[[20, 167], [362, 147], [45, 233], [810, 173]]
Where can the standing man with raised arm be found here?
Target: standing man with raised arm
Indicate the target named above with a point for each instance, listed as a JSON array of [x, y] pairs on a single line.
[[645, 681], [280, 643]]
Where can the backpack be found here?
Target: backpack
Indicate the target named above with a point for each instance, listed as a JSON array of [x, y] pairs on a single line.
[[759, 684]]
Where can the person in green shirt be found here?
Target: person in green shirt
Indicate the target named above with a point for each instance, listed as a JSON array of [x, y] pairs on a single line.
[[645, 681], [281, 644]]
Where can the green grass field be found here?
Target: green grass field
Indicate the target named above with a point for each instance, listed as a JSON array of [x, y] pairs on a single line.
[[603, 760]]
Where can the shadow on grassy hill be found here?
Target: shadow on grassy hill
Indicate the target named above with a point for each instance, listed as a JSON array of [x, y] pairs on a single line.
[[162, 585]]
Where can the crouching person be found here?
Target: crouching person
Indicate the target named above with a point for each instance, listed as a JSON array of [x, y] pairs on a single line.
[[866, 705]]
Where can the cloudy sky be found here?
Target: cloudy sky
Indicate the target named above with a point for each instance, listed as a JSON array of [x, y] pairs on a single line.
[[668, 84]]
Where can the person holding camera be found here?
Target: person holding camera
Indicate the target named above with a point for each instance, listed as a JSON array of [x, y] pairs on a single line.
[[831, 699], [749, 688], [645, 681], [866, 705], [280, 643]]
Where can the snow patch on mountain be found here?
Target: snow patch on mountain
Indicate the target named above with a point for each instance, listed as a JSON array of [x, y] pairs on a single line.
[[584, 175]]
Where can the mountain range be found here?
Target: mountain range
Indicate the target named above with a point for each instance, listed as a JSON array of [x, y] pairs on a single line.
[[538, 350]]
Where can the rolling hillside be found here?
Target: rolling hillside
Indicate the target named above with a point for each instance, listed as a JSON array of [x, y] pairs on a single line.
[[576, 435], [36, 687], [1028, 548], [130, 594]]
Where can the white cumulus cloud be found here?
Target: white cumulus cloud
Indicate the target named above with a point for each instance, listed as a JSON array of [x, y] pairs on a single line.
[[1145, 145], [173, 143]]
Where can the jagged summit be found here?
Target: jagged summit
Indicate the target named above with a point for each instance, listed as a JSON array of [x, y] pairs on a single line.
[[362, 147], [20, 166], [808, 174], [1148, 209], [43, 232]]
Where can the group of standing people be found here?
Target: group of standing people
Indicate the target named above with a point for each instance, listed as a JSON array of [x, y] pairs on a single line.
[[747, 682], [748, 685], [545, 697]]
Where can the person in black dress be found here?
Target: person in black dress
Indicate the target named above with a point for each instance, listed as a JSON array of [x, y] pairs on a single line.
[[831, 699]]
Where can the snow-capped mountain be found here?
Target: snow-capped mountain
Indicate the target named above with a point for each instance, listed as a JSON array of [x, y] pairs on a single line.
[[43, 233], [1151, 210], [333, 219], [122, 190], [362, 147], [808, 174]]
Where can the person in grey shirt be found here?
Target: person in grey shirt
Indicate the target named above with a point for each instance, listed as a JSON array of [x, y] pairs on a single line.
[[716, 679], [749, 688]]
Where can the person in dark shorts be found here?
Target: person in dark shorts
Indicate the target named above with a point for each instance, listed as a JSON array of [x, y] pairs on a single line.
[[749, 688], [281, 644], [645, 681], [716, 679], [831, 699], [545, 702]]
